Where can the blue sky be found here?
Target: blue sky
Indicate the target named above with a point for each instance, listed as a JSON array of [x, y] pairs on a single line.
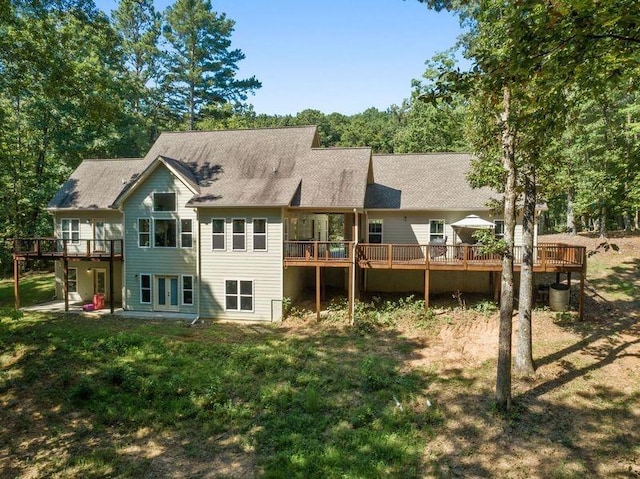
[[334, 55]]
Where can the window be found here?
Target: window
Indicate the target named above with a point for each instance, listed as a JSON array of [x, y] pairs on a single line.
[[144, 232], [259, 234], [187, 290], [238, 235], [72, 280], [436, 231], [70, 230], [164, 233], [218, 239], [375, 231], [186, 233], [238, 295], [164, 202], [145, 289], [499, 229]]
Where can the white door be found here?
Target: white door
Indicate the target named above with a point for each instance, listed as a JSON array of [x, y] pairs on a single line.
[[99, 235], [100, 282], [166, 293]]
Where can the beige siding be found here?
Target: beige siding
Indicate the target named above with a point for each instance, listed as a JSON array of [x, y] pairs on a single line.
[[264, 268], [112, 220], [400, 227], [158, 261], [85, 272]]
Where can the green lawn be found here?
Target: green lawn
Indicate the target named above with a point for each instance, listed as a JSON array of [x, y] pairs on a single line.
[[34, 289], [81, 394]]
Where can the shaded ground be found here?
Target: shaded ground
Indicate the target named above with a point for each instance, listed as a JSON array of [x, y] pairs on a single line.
[[401, 398]]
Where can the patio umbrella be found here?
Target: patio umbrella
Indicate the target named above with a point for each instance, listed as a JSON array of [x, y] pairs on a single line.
[[468, 224]]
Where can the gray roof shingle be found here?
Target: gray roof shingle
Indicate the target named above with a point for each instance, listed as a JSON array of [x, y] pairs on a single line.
[[96, 184], [435, 181]]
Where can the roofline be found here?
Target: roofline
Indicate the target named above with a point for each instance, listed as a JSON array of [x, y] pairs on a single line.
[[240, 129], [466, 208], [53, 209], [429, 153], [112, 159], [329, 148], [146, 173]]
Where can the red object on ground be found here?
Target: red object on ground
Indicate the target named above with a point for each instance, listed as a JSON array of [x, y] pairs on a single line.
[[98, 301], [87, 307]]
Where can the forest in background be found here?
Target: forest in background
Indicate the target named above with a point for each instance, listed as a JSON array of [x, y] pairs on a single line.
[[76, 83]]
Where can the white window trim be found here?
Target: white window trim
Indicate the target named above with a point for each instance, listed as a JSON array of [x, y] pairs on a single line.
[[150, 233], [375, 220], [70, 220], [444, 227], [150, 288], [233, 234], [190, 233], [153, 201], [76, 281], [224, 234], [153, 238], [253, 295], [501, 236], [265, 234], [193, 289]]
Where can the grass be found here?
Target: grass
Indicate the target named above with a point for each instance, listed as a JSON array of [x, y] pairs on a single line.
[[34, 289], [335, 404]]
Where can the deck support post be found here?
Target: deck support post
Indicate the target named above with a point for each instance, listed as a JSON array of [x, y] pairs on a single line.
[[318, 293], [558, 277], [569, 279], [351, 293], [111, 303], [497, 283], [426, 288], [581, 298], [65, 281], [16, 283]]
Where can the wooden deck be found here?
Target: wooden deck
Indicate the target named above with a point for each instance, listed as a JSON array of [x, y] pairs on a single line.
[[336, 254], [547, 257], [78, 250]]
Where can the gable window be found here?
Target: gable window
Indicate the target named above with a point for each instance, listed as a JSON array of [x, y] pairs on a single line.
[[164, 202], [259, 234], [144, 232], [375, 231], [72, 280], [436, 231], [239, 235], [186, 233], [187, 290], [238, 295], [164, 232], [499, 229], [145, 288], [70, 230], [218, 239]]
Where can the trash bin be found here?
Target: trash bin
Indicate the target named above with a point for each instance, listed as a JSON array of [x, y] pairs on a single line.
[[98, 301], [559, 297]]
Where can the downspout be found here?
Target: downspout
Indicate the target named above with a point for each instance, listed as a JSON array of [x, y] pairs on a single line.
[[198, 267]]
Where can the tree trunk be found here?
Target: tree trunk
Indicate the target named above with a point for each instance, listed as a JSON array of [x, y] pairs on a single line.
[[192, 107], [603, 222], [571, 224], [524, 355], [503, 380]]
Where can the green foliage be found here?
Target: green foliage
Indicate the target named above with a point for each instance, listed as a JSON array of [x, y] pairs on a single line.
[[201, 66], [303, 404]]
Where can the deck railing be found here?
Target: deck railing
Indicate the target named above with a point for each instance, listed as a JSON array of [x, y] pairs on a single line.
[[417, 254], [338, 251], [59, 248]]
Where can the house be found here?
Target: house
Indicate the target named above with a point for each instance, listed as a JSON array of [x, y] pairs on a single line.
[[225, 224]]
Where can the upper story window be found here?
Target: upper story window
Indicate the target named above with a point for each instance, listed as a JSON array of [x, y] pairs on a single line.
[[70, 229], [218, 239], [164, 202], [239, 241], [186, 233], [144, 232], [499, 229], [375, 231], [164, 233], [436, 231], [259, 234]]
